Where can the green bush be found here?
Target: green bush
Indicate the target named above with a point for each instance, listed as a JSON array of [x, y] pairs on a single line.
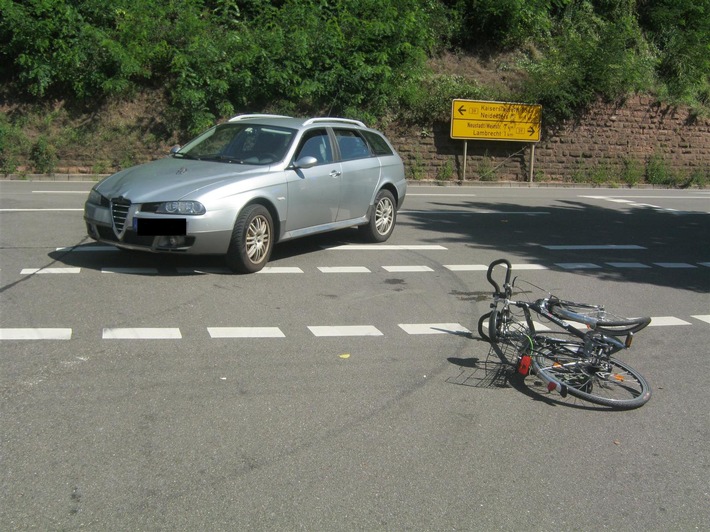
[[430, 99], [680, 31], [631, 171], [416, 167], [43, 156], [361, 58], [446, 171], [486, 169], [13, 144], [589, 55], [505, 23]]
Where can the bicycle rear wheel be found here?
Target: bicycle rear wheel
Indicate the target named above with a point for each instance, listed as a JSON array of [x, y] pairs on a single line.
[[611, 383]]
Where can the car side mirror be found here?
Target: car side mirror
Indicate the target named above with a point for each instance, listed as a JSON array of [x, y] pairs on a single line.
[[306, 162], [174, 150]]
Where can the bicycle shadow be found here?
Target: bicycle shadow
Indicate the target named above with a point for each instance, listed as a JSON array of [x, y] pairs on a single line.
[[499, 370]]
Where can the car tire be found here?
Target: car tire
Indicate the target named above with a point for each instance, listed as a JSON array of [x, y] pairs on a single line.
[[383, 219], [252, 240]]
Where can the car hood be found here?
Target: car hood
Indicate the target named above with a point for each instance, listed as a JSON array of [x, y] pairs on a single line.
[[173, 179]]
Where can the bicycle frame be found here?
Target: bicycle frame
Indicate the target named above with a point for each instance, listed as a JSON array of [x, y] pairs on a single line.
[[591, 337]]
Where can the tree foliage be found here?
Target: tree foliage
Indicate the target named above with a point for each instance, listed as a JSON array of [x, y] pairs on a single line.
[[362, 58]]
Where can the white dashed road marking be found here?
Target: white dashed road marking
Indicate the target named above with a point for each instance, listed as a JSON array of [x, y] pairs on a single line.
[[134, 271], [674, 265], [345, 330], [404, 269], [627, 265], [414, 329], [203, 271], [594, 247], [41, 210], [466, 267], [245, 332], [666, 321], [281, 269], [32, 271], [577, 265], [385, 247], [433, 328], [88, 248], [139, 333], [344, 269], [35, 334]]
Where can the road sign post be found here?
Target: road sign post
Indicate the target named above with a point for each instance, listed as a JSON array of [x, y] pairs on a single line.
[[483, 120]]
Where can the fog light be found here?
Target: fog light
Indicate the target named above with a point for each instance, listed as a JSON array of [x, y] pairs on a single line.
[[171, 241]]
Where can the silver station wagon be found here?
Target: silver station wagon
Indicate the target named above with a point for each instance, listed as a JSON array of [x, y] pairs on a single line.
[[246, 184]]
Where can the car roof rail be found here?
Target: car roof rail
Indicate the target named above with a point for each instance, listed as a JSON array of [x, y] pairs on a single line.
[[340, 120], [253, 116]]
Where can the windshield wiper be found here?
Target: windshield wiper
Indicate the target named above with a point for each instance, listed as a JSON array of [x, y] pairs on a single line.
[[185, 156], [229, 159]]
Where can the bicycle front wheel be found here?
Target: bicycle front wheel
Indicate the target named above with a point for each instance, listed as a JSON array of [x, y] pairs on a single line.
[[611, 383], [499, 325]]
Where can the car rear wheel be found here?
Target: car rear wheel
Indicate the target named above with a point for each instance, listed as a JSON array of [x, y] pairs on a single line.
[[252, 240], [381, 224]]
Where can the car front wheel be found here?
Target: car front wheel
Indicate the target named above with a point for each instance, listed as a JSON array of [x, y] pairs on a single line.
[[381, 224], [252, 240]]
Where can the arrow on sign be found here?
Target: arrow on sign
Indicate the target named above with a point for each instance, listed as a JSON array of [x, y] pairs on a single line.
[[462, 110], [531, 130]]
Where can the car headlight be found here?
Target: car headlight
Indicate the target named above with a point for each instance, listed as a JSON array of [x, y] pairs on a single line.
[[181, 207], [94, 197]]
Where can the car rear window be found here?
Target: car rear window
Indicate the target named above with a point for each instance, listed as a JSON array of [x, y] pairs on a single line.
[[377, 143]]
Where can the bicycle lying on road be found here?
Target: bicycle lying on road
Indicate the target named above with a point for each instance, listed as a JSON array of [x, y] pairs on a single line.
[[578, 361]]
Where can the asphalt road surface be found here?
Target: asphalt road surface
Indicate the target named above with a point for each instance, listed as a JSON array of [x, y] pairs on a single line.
[[345, 387]]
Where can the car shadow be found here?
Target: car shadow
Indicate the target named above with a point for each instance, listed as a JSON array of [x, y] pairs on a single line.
[[101, 257]]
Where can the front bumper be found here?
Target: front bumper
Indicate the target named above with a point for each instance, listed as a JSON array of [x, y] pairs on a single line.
[[200, 238]]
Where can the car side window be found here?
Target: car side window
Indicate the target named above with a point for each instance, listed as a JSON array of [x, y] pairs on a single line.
[[316, 144], [351, 145]]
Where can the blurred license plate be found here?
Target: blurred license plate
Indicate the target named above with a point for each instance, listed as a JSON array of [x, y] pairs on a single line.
[[160, 226]]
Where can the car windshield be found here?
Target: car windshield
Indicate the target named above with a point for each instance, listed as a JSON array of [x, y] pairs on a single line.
[[240, 143]]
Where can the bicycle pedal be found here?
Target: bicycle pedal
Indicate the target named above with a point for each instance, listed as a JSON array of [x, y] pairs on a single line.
[[524, 365]]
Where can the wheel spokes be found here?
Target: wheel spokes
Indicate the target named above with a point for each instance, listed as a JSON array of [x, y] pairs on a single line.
[[384, 216], [257, 239]]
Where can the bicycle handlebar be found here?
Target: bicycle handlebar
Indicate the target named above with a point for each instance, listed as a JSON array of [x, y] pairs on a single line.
[[489, 274]]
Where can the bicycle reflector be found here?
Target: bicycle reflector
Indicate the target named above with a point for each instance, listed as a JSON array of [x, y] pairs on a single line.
[[524, 365], [560, 388]]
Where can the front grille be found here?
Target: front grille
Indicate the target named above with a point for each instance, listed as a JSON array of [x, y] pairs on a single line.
[[119, 212], [107, 234]]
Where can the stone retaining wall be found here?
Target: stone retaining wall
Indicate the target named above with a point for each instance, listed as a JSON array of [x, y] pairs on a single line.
[[610, 135]]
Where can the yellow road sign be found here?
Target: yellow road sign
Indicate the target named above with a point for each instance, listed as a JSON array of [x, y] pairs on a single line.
[[479, 120]]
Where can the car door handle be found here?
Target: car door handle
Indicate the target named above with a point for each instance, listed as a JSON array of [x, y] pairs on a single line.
[[335, 173]]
